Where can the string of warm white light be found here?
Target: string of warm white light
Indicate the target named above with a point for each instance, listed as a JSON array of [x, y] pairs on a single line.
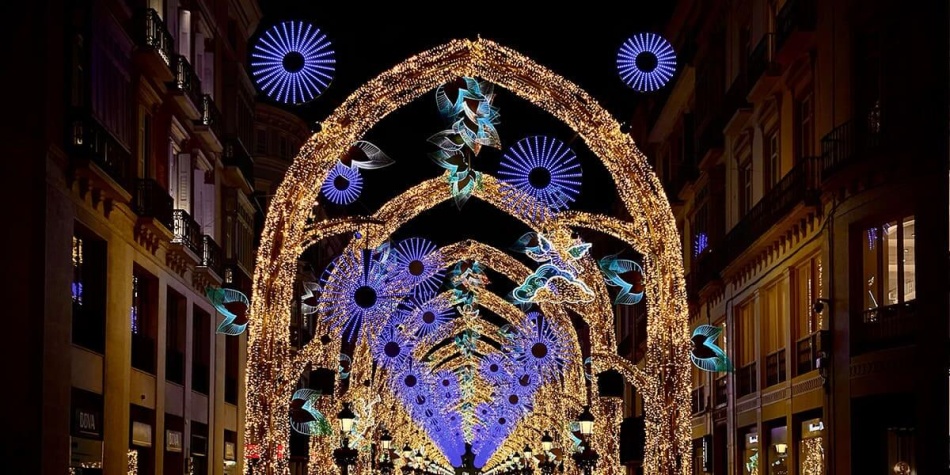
[[663, 382]]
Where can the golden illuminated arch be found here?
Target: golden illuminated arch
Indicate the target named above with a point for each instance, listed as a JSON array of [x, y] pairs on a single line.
[[664, 381]]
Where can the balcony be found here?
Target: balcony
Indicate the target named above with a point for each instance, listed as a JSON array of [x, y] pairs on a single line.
[[154, 208], [883, 327], [208, 125], [764, 70], [798, 186], [98, 161], [736, 107], [239, 166], [721, 396], [854, 142], [746, 380], [795, 29], [775, 372], [807, 350], [156, 48], [186, 88], [186, 248], [210, 269], [698, 401]]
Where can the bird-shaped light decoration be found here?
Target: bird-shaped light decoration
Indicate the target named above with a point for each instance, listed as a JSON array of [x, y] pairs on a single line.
[[614, 269], [304, 416], [706, 355], [233, 304]]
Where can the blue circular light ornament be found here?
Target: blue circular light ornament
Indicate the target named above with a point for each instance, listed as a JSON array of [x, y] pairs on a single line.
[[343, 185], [293, 62], [544, 168], [419, 261], [646, 62]]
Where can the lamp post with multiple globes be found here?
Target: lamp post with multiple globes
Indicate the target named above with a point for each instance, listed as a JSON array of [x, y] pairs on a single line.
[[345, 456], [547, 466], [586, 458], [386, 464]]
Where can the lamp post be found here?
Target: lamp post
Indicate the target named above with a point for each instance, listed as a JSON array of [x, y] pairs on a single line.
[[407, 458], [586, 459], [345, 456], [418, 458], [547, 466], [386, 465], [528, 457]]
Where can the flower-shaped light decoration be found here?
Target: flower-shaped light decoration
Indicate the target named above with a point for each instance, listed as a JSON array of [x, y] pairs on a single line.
[[293, 62], [391, 349], [540, 348], [421, 319], [233, 304], [446, 388], [516, 399], [343, 184], [706, 355], [646, 62], [304, 416], [409, 382], [625, 274], [495, 368], [543, 168], [359, 286], [467, 105], [421, 263]]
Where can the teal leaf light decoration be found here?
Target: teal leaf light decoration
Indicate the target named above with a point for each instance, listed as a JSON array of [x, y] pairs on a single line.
[[706, 355], [228, 302], [304, 416], [612, 268]]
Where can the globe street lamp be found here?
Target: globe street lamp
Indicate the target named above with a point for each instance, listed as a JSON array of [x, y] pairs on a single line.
[[547, 466], [345, 456], [586, 459], [407, 458]]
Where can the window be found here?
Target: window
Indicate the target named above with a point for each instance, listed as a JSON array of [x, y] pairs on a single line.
[[806, 126], [774, 299], [774, 163], [745, 319], [88, 290], [700, 225], [145, 144], [260, 141], [283, 147], [231, 370], [143, 319], [745, 187], [806, 282], [888, 264], [200, 351], [175, 337]]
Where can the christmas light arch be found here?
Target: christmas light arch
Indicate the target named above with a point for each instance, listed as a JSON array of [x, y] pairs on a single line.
[[663, 382]]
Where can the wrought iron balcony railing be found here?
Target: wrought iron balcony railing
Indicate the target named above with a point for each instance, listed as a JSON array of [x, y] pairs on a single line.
[[795, 15], [798, 185], [883, 327], [849, 143], [235, 155], [90, 141], [154, 34], [211, 255], [152, 201], [186, 81], [210, 116], [775, 368], [187, 231]]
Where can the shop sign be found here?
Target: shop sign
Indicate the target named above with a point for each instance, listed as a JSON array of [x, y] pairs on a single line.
[[87, 423], [812, 428], [707, 453], [173, 441], [141, 434], [229, 451]]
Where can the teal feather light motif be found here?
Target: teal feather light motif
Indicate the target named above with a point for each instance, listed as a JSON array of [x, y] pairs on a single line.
[[233, 304], [613, 268], [304, 416], [706, 355]]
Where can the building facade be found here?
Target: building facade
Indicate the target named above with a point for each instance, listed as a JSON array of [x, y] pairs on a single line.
[[145, 203], [807, 169]]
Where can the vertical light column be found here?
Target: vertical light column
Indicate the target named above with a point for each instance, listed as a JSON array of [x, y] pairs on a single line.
[[161, 343], [118, 359]]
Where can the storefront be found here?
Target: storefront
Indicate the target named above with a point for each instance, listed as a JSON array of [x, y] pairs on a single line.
[[777, 455], [85, 441], [749, 457], [174, 463], [811, 450]]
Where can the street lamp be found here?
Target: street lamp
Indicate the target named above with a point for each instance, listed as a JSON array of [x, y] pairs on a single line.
[[547, 466], [406, 457], [386, 442], [345, 456], [586, 459]]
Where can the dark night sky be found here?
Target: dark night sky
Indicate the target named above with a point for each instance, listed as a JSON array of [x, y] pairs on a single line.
[[580, 45]]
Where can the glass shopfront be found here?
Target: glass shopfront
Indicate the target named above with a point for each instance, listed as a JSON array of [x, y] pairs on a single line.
[[778, 450], [750, 458], [811, 451], [85, 442]]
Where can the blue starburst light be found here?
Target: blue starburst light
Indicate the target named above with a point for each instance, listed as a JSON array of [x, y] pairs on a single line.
[[421, 264], [421, 319], [544, 168], [293, 62], [540, 348], [343, 184], [495, 368], [646, 62], [391, 349], [359, 286]]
